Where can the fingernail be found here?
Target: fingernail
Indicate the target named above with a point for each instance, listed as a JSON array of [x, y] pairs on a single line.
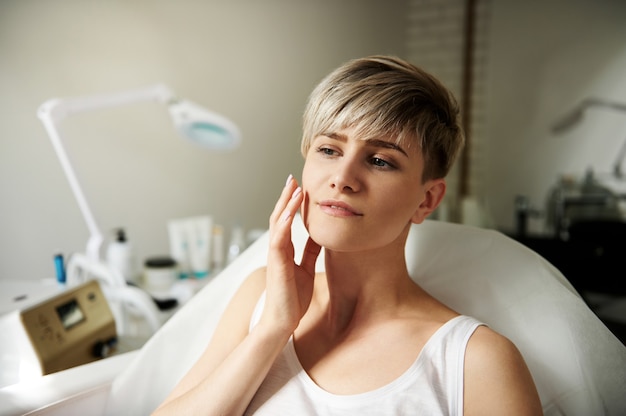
[[289, 178], [286, 216], [296, 192]]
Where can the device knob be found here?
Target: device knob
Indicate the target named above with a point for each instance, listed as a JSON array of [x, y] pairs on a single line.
[[103, 349]]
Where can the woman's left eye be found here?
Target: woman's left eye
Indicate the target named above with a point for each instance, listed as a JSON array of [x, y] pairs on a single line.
[[381, 163]]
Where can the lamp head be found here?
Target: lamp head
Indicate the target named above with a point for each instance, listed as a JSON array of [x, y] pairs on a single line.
[[201, 126]]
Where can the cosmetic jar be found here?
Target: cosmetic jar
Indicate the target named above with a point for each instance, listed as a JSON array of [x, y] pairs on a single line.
[[160, 273]]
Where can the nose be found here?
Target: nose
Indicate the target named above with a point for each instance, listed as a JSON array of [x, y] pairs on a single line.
[[346, 175]]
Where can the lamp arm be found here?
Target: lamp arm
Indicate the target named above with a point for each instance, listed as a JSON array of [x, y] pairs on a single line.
[[596, 102], [576, 114], [95, 235], [58, 109], [617, 106], [53, 111], [617, 165]]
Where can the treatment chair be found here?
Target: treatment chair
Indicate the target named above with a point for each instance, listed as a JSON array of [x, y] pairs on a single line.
[[578, 365]]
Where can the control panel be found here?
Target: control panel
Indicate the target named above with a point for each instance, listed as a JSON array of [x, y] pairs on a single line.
[[72, 328]]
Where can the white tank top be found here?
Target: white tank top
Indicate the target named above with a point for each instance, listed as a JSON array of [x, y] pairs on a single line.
[[432, 385]]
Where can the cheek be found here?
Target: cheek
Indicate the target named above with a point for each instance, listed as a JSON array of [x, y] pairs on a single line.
[[306, 187], [306, 169], [305, 209], [311, 175], [406, 199]]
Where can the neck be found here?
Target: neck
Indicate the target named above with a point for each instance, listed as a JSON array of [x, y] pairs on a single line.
[[361, 287]]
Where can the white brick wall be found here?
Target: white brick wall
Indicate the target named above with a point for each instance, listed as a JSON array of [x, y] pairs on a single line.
[[435, 38]]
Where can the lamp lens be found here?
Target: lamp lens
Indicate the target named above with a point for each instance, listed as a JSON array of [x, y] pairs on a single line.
[[209, 135]]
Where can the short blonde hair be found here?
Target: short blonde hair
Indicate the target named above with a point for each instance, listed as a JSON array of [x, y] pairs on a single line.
[[384, 96]]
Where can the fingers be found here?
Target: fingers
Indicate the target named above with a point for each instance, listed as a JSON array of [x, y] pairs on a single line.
[[292, 205], [283, 199], [309, 256], [287, 204]]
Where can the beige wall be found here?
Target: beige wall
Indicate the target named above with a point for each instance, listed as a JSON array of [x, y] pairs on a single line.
[[254, 61]]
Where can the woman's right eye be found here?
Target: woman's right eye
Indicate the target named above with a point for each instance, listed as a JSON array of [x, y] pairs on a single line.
[[326, 151]]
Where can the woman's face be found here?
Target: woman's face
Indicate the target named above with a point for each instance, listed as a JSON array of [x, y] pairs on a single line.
[[362, 194]]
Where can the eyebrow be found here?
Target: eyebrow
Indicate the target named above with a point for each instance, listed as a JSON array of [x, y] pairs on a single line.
[[371, 142]]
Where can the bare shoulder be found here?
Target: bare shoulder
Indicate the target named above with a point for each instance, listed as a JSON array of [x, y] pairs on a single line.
[[497, 380]]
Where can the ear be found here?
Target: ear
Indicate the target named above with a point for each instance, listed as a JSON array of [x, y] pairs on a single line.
[[434, 190]]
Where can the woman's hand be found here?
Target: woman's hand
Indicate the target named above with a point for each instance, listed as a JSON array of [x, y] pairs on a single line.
[[237, 361], [289, 287]]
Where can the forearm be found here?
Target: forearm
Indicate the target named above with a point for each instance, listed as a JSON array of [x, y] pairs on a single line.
[[231, 386]]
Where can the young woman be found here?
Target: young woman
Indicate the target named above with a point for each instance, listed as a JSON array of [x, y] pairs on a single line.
[[361, 338]]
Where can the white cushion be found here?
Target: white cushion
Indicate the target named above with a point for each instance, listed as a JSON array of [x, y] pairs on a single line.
[[578, 365]]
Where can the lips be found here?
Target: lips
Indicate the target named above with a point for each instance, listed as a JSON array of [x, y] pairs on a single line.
[[338, 208]]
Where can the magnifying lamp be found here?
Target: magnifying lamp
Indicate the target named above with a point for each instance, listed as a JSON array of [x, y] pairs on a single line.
[[576, 115], [201, 126]]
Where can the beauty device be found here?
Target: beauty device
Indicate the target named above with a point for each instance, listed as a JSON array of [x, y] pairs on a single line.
[[69, 327], [201, 126]]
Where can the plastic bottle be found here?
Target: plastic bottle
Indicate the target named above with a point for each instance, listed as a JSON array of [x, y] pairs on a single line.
[[121, 257], [217, 255], [237, 243]]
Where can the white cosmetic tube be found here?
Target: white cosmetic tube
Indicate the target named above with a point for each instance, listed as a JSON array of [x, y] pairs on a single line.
[[217, 255], [179, 246], [200, 229]]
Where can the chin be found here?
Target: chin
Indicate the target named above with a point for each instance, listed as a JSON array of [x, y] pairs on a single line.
[[342, 236], [336, 238], [324, 234]]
